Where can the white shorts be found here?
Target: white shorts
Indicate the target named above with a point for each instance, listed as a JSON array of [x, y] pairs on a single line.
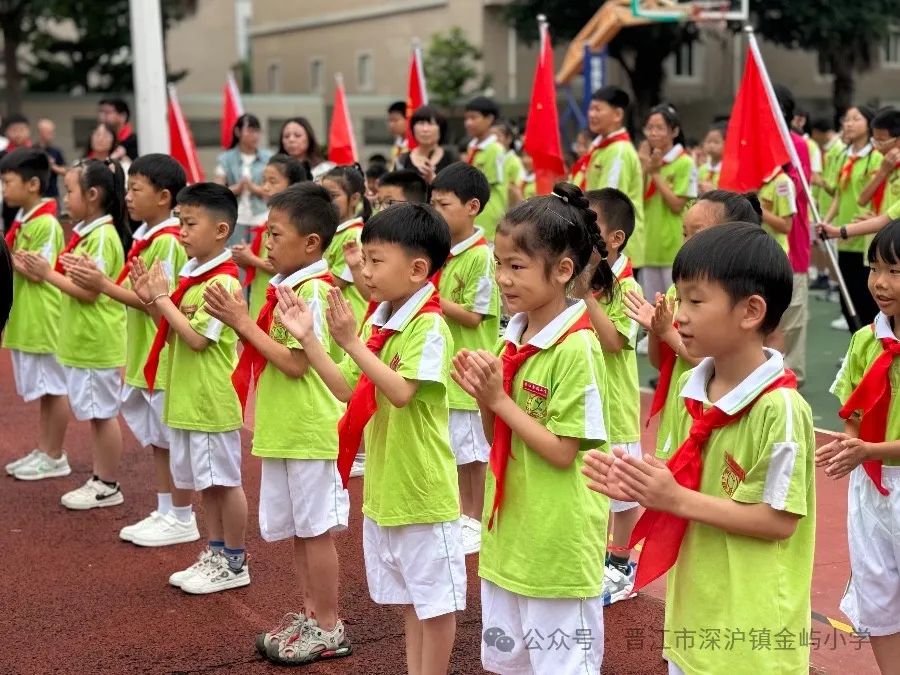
[[301, 498], [202, 459], [872, 598], [93, 392], [633, 449], [419, 565], [37, 375], [142, 410], [467, 437], [673, 669], [520, 634]]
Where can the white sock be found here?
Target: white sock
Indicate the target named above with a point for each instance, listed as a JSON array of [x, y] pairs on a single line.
[[182, 513], [163, 502]]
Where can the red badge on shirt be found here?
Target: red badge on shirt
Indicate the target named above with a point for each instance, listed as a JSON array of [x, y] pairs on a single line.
[[732, 475], [535, 389]]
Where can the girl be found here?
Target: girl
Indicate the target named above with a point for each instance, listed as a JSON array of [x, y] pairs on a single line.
[[542, 400], [101, 143], [869, 451], [298, 141], [859, 164], [429, 157], [512, 164], [91, 344], [713, 144], [670, 180], [281, 172]]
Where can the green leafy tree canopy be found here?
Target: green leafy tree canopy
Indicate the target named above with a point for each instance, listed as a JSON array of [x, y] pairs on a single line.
[[451, 68]]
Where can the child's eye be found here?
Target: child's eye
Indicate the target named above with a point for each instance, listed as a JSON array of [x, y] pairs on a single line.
[[517, 267]]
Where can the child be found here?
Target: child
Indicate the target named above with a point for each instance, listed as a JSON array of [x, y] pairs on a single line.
[[528, 185], [713, 144], [470, 302], [280, 172], [884, 188], [611, 160], [31, 336], [512, 164], [395, 379], [617, 334], [542, 402], [153, 182], [486, 154], [869, 450], [779, 203], [91, 344], [738, 496], [347, 187], [823, 188], [374, 171], [670, 181], [301, 497], [396, 124], [201, 407], [397, 187]]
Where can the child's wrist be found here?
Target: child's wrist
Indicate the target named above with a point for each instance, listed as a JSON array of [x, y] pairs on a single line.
[[155, 297]]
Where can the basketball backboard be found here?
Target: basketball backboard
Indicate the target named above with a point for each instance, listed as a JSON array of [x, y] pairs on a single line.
[[691, 10]]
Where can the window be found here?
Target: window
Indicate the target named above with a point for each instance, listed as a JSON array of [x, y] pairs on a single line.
[[686, 63], [891, 49], [273, 77], [316, 75], [365, 72]]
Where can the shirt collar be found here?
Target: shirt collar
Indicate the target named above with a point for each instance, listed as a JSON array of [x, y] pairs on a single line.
[[831, 142], [466, 244], [84, 229], [673, 154], [714, 167], [527, 177], [483, 144], [883, 328], [599, 138], [301, 275], [619, 265], [193, 269], [145, 232], [738, 398], [23, 217], [399, 320], [549, 334], [862, 152], [348, 223]]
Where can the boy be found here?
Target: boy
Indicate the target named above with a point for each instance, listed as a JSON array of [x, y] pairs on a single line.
[[779, 204], [396, 124], [397, 187], [396, 386], [301, 497], [618, 337], [885, 185], [486, 154], [470, 301], [738, 496], [153, 182], [612, 160], [201, 407], [34, 321], [18, 132]]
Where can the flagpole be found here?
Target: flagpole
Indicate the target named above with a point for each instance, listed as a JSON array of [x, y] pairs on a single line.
[[795, 160]]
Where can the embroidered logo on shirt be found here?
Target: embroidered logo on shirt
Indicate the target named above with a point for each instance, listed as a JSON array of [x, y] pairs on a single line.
[[733, 475], [456, 295], [278, 332], [536, 402], [395, 362], [189, 311]]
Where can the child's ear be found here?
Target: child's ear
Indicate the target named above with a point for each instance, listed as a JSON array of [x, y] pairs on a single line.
[[418, 270], [223, 230], [313, 243], [618, 240], [92, 195], [33, 184], [754, 312], [353, 202], [473, 206], [564, 271], [164, 197]]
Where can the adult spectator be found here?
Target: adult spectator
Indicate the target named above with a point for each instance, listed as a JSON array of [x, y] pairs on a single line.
[[102, 143], [429, 157], [298, 141], [116, 113], [46, 136], [17, 131]]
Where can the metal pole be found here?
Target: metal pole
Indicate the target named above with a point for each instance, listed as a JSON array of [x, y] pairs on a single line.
[[149, 76]]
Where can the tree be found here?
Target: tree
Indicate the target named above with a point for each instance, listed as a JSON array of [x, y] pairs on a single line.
[[845, 34], [18, 19], [451, 63]]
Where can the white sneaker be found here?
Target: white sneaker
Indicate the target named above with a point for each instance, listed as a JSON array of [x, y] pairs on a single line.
[[359, 466], [642, 346], [840, 324], [93, 494], [167, 530], [616, 585], [43, 466], [127, 533], [216, 576], [289, 624], [310, 644], [471, 535], [206, 557], [22, 461]]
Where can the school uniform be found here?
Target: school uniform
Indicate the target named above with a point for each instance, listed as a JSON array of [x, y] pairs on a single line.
[[349, 230], [488, 157]]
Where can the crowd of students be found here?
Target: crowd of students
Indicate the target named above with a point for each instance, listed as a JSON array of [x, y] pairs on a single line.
[[469, 349]]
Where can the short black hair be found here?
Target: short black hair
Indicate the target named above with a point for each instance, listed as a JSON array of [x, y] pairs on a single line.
[[719, 125], [886, 244], [745, 260], [119, 104], [376, 170], [397, 107], [615, 208], [888, 119], [15, 118], [427, 113], [162, 172], [484, 105], [736, 207], [465, 181], [822, 124], [613, 95], [292, 169], [418, 228], [217, 199], [414, 187], [377, 157], [309, 209], [27, 163], [785, 98]]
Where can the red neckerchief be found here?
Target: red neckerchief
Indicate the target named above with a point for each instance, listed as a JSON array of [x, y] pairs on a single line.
[[436, 277], [847, 170], [628, 272], [584, 162], [667, 358], [363, 404], [13, 146], [162, 330], [651, 187], [663, 532], [47, 208], [140, 245], [124, 132], [258, 231], [252, 363], [512, 360], [872, 398], [471, 152], [878, 197]]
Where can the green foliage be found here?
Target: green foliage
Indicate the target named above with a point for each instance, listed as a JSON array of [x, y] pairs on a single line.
[[451, 67], [566, 17]]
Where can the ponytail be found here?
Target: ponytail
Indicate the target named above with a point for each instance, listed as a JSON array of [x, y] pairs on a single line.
[[352, 181]]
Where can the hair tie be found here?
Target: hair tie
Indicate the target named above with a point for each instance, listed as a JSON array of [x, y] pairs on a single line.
[[562, 197]]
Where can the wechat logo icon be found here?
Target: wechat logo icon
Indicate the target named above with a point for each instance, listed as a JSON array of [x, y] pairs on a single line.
[[497, 638]]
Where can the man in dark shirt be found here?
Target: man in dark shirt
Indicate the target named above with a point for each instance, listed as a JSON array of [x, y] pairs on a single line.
[[116, 113], [46, 134]]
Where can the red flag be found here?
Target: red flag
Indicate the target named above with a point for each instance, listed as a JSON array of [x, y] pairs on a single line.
[[232, 108], [181, 141], [755, 145], [341, 146], [416, 92], [542, 140]]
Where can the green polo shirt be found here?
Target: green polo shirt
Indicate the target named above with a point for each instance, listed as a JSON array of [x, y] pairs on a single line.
[[665, 230], [349, 230], [489, 159]]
